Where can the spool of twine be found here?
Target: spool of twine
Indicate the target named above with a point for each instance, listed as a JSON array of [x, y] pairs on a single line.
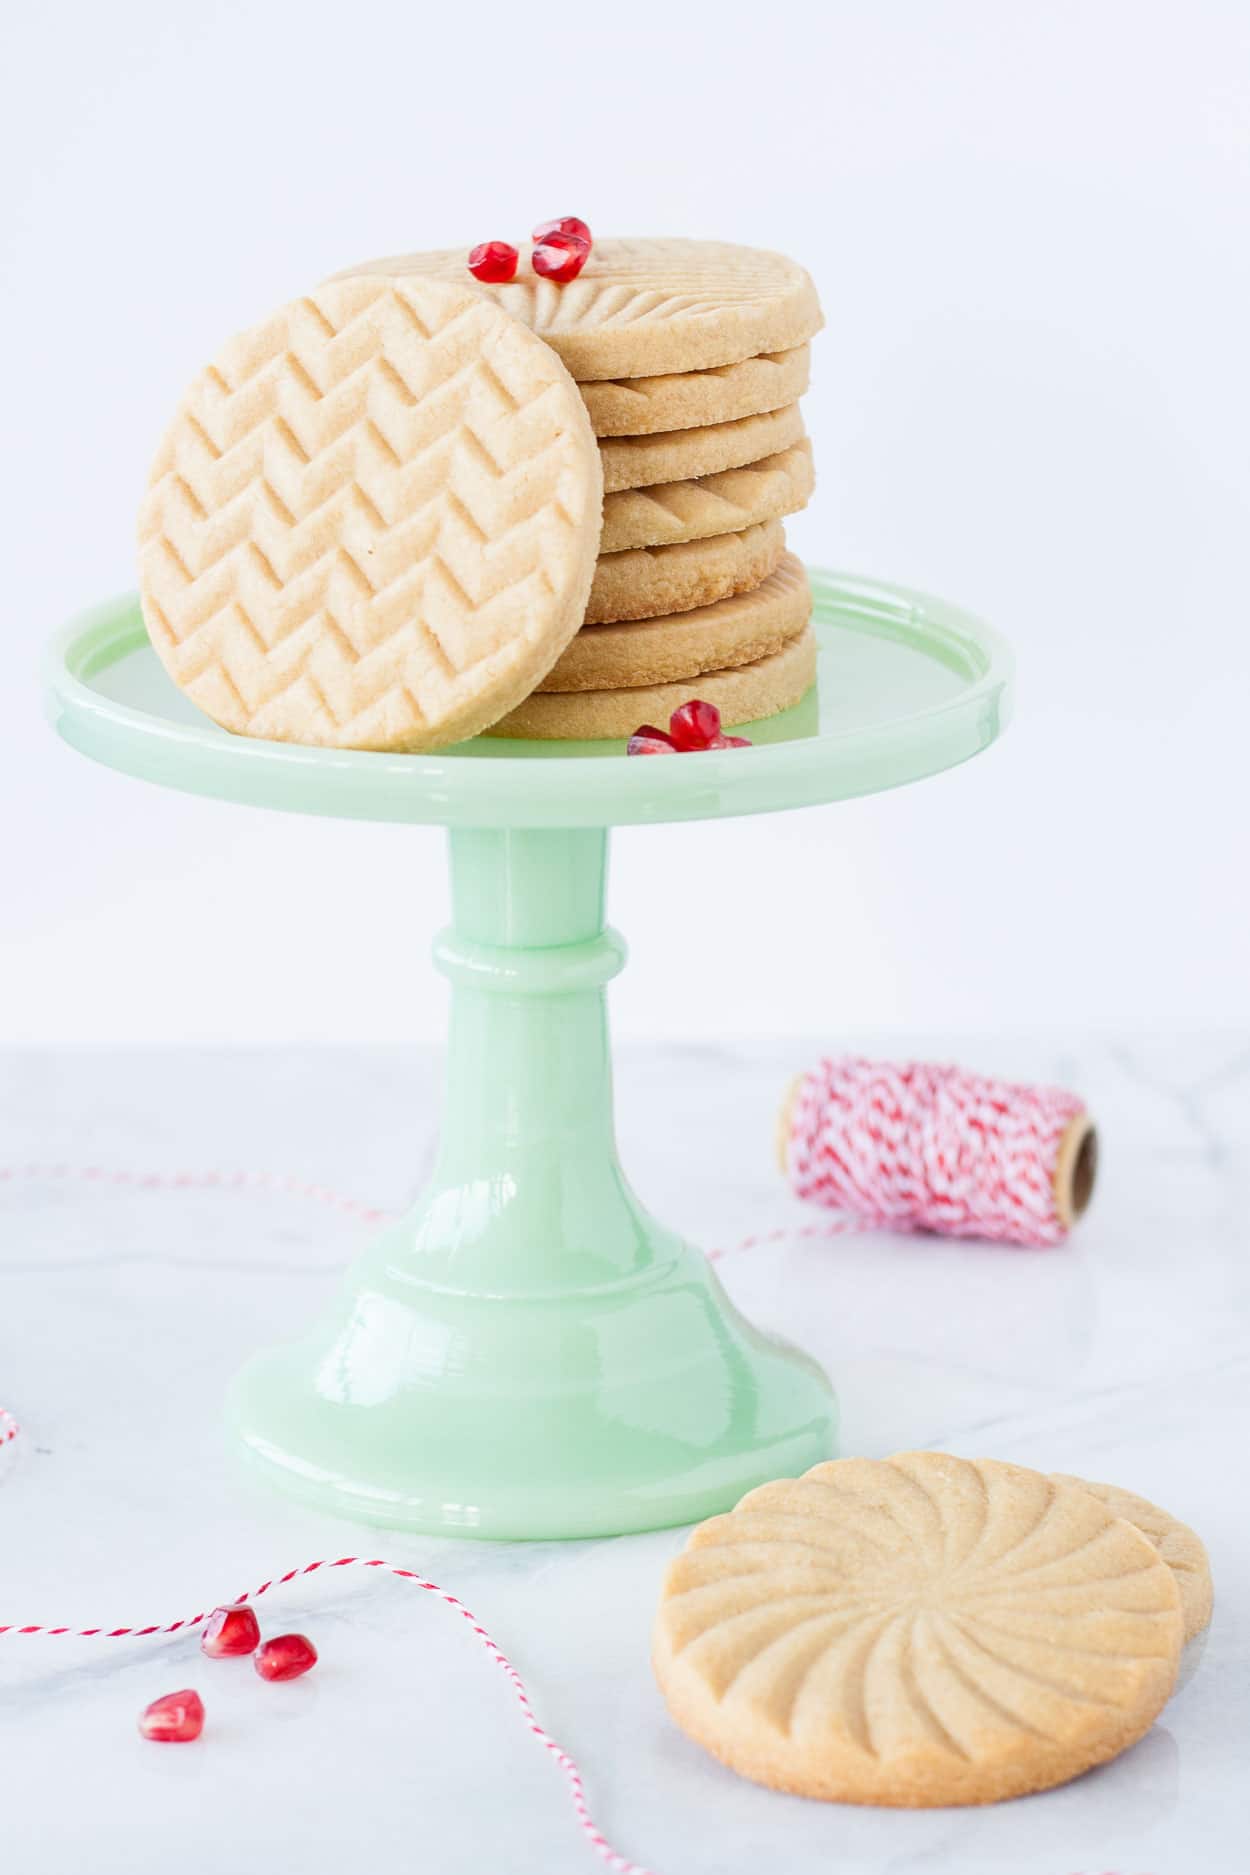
[[913, 1146]]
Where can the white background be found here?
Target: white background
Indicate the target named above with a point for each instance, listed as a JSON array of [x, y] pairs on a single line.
[[1029, 228]]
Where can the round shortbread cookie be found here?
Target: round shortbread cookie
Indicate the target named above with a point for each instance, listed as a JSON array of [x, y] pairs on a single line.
[[374, 521], [643, 582], [736, 631], [742, 696], [678, 455], [1181, 1548], [709, 504], [915, 1631], [643, 307], [679, 399]]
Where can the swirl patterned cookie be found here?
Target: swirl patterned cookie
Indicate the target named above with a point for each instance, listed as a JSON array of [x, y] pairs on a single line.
[[916, 1631], [1181, 1548]]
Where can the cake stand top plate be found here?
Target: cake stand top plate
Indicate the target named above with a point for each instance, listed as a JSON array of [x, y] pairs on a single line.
[[907, 686]]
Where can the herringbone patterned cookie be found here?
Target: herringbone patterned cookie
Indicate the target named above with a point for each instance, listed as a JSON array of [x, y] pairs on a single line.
[[745, 695], [741, 630], [917, 1631], [643, 307], [1181, 1548], [710, 504], [643, 582], [678, 399], [374, 521], [680, 455]]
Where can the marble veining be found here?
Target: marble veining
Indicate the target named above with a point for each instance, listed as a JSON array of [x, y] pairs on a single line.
[[1122, 1356]]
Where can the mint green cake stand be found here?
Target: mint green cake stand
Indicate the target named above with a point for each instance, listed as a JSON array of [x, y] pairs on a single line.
[[527, 1353]]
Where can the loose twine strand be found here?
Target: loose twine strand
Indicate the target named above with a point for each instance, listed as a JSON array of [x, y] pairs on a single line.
[[564, 1759]]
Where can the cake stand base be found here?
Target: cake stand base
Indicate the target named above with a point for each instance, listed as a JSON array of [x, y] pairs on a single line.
[[594, 1414], [527, 1353]]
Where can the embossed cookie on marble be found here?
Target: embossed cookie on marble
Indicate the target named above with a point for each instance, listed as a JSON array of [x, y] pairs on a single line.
[[1181, 1548], [921, 1630]]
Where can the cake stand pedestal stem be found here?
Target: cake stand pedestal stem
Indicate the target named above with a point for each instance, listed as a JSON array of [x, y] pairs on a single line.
[[528, 1353], [531, 1198]]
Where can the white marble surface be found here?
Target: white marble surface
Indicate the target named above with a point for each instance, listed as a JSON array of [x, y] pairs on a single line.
[[122, 1313]]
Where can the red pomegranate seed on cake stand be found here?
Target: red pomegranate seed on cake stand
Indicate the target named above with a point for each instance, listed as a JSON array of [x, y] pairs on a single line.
[[692, 728], [647, 740], [174, 1718], [560, 257], [493, 262], [695, 725], [230, 1631], [285, 1657], [565, 224]]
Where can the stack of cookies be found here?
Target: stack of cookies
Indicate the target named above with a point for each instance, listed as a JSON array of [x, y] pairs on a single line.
[[691, 357], [410, 506]]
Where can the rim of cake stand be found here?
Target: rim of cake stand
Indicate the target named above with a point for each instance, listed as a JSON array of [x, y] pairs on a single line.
[[548, 785]]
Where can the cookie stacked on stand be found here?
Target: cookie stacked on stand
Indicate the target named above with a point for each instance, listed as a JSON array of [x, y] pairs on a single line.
[[478, 491], [691, 357]]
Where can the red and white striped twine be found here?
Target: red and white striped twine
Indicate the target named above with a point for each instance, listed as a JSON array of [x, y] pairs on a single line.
[[279, 1182], [611, 1857], [918, 1147], [9, 1429]]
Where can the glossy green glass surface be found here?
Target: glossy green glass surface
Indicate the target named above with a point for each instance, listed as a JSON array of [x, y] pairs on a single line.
[[906, 686], [528, 1353]]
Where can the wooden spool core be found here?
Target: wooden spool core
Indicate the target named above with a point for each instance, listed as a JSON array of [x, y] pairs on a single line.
[[1076, 1169], [784, 1121]]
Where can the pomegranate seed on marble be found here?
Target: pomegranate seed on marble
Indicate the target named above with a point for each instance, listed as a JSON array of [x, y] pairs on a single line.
[[174, 1718], [560, 257], [566, 224], [695, 725], [285, 1657], [230, 1631], [648, 740], [493, 261]]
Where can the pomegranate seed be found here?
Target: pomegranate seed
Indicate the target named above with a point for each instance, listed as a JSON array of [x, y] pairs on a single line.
[[285, 1657], [648, 740], [493, 261], [560, 257], [730, 742], [695, 725], [230, 1631], [174, 1718], [567, 224]]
